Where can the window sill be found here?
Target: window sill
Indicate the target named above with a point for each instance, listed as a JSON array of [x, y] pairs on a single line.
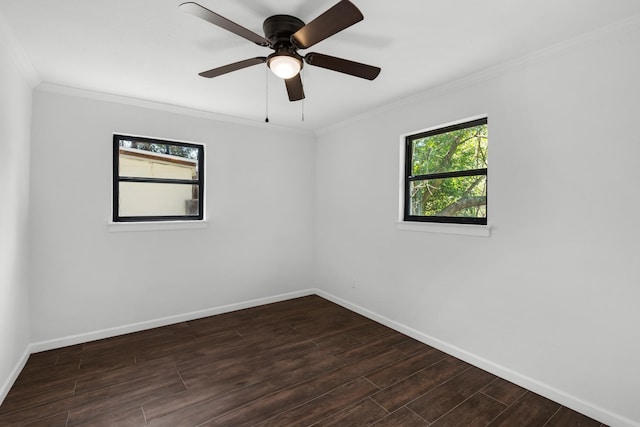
[[433, 227], [118, 227]]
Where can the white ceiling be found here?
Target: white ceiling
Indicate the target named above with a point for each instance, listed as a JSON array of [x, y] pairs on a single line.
[[151, 50]]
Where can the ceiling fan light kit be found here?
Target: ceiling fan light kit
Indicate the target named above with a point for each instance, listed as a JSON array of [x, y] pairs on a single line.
[[284, 65], [287, 34]]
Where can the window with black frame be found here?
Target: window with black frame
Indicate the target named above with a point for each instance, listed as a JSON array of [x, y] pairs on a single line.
[[446, 174], [157, 180]]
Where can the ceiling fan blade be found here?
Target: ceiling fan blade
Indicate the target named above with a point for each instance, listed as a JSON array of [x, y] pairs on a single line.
[[343, 15], [215, 72], [222, 22], [340, 65], [294, 88]]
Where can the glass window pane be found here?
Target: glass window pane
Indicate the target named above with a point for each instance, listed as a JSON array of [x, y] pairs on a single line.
[[147, 164], [450, 197], [156, 199], [152, 146], [458, 150]]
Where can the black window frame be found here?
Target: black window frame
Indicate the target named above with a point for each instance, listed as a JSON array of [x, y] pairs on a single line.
[[117, 179], [408, 177]]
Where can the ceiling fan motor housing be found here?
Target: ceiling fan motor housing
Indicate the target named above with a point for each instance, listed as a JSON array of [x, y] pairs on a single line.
[[278, 29]]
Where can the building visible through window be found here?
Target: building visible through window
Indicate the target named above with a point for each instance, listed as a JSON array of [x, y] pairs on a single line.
[[157, 180], [446, 174]]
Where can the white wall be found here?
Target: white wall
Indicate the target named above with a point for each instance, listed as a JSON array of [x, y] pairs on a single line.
[[259, 201], [551, 298], [15, 122]]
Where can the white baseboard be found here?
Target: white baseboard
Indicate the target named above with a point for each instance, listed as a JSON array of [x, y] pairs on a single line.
[[150, 324], [603, 415], [545, 390], [6, 386], [136, 327]]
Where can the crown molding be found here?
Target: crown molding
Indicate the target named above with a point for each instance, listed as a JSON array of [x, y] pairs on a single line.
[[169, 108], [615, 29]]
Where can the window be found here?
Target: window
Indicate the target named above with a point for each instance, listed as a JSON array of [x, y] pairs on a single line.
[[156, 180], [446, 174]]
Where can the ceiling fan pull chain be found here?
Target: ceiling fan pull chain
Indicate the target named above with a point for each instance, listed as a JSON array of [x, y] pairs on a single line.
[[302, 105], [266, 95]]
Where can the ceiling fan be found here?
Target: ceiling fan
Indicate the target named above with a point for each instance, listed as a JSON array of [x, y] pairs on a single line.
[[287, 34]]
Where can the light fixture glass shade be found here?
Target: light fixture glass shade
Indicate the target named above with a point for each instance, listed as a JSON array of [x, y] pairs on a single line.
[[284, 66]]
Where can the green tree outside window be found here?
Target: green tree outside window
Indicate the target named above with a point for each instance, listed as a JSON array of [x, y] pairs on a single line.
[[446, 174]]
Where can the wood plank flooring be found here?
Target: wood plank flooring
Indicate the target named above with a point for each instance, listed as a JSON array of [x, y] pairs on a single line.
[[302, 362]]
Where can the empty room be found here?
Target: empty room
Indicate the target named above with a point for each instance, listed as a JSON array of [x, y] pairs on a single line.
[[319, 213]]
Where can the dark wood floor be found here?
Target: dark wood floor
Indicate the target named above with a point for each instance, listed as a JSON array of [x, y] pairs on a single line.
[[301, 362]]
